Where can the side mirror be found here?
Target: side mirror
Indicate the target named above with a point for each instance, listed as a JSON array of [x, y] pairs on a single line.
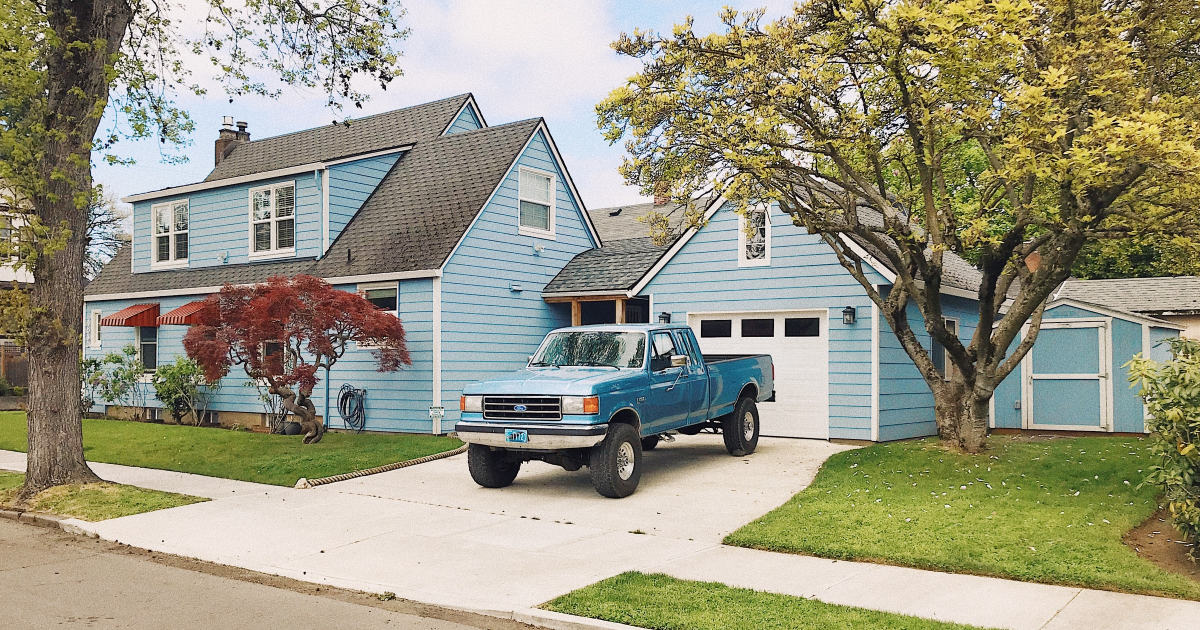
[[679, 360]]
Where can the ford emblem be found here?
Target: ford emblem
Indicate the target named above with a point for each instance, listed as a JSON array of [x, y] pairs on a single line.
[[520, 408]]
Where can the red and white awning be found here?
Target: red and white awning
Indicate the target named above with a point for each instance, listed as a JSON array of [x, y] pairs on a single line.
[[186, 315], [136, 315]]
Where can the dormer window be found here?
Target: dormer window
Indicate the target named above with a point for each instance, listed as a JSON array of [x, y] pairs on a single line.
[[754, 238], [536, 198], [273, 221], [170, 227]]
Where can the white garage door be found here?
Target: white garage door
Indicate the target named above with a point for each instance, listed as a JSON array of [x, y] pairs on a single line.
[[798, 343]]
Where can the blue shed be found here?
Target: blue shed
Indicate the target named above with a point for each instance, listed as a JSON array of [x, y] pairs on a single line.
[[1074, 378]]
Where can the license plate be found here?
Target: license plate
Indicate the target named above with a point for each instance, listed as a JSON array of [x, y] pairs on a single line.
[[519, 436]]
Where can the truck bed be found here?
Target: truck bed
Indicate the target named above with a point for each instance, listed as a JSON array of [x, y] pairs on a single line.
[[728, 373]]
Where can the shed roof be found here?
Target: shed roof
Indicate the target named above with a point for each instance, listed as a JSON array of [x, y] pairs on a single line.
[[615, 268], [1163, 296]]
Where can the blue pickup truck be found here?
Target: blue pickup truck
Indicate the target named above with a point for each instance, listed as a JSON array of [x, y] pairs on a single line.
[[597, 396]]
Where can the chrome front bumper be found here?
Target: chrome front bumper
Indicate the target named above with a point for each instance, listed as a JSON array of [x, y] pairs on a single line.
[[541, 437]]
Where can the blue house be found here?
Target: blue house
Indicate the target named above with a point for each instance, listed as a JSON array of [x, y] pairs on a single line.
[[453, 225]]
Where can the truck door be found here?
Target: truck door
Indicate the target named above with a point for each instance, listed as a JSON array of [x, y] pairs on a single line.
[[668, 402], [697, 377]]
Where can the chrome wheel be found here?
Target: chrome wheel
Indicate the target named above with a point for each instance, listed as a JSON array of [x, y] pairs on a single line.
[[748, 426], [625, 461]]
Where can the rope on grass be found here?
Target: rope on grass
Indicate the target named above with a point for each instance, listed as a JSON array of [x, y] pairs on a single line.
[[312, 483]]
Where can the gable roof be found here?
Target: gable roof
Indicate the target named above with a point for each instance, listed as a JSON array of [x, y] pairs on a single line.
[[396, 128], [1170, 295], [408, 227]]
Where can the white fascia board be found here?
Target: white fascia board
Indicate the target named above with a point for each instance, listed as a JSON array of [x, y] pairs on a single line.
[[373, 277], [1103, 310], [712, 209], [254, 177], [874, 264], [570, 294]]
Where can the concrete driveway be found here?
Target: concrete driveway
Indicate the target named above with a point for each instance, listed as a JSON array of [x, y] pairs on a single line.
[[429, 533]]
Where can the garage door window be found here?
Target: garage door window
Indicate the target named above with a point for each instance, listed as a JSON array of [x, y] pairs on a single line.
[[716, 328], [802, 327], [758, 327]]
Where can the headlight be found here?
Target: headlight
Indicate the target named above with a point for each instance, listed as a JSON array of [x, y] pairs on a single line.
[[580, 405], [472, 404]]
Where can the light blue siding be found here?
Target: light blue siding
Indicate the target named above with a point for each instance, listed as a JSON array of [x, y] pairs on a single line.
[[220, 223], [804, 274], [1006, 399], [905, 401], [1129, 414], [349, 186], [1160, 351], [487, 327], [466, 121]]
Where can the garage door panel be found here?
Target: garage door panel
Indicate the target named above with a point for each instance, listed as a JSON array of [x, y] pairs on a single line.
[[801, 364]]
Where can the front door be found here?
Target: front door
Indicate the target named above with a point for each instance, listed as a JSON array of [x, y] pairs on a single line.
[[1067, 377], [669, 388]]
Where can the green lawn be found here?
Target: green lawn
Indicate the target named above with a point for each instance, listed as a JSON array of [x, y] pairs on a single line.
[[1044, 511], [273, 459], [665, 603], [93, 501]]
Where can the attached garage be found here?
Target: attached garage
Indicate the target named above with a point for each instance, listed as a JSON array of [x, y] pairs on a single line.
[[798, 344]]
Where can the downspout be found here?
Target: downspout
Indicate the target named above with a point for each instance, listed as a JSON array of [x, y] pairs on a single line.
[[326, 397]]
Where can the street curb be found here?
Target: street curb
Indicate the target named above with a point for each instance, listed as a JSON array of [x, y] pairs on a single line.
[[32, 518], [539, 618]]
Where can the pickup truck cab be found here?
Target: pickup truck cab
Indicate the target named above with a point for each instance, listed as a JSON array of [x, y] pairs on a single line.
[[597, 396]]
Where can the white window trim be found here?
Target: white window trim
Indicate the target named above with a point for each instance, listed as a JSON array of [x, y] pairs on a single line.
[[946, 362], [362, 290], [172, 263], [741, 244], [271, 253], [535, 232], [137, 334], [94, 332]]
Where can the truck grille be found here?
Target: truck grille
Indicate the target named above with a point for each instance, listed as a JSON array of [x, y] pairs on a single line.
[[534, 408]]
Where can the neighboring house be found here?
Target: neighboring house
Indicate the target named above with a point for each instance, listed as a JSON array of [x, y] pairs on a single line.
[[430, 213], [1074, 377], [839, 370]]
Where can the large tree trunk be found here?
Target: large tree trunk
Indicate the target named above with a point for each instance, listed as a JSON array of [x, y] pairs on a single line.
[[77, 90], [962, 412]]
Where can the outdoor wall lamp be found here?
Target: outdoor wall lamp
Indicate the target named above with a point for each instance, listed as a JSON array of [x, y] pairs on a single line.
[[664, 318], [849, 315]]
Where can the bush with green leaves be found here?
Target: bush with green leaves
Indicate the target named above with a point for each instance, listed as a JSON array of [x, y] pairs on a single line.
[[120, 380], [91, 375], [1171, 390], [183, 389]]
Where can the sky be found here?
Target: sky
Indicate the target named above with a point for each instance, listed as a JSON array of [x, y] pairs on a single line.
[[520, 59]]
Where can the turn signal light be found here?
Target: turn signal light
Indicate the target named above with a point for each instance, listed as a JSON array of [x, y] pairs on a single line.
[[591, 404], [471, 404], [576, 405]]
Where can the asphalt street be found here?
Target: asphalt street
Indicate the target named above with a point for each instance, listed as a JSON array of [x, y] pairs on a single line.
[[51, 579]]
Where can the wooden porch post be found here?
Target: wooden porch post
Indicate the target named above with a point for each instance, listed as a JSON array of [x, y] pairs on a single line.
[[620, 308], [576, 313]]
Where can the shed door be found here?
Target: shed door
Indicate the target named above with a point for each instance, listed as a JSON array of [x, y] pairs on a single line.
[[1067, 378], [798, 344]]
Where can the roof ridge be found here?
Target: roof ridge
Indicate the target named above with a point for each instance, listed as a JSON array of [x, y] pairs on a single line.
[[355, 120]]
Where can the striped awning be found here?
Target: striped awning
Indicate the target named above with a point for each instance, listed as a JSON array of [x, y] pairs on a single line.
[[136, 315], [186, 315]]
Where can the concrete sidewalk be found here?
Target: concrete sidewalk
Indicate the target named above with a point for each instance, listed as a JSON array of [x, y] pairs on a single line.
[[427, 533]]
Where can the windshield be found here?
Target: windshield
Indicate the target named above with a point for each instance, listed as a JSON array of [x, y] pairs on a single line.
[[592, 348]]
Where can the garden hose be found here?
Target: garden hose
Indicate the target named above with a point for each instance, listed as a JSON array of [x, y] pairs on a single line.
[[352, 407]]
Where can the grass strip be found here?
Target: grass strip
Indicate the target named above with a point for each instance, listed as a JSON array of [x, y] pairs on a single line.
[[93, 501], [662, 602]]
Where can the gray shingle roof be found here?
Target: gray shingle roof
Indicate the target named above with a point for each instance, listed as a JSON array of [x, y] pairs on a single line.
[[364, 135], [411, 222], [615, 267], [1176, 294]]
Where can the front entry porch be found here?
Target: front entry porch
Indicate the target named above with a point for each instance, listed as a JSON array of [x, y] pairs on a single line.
[[605, 309]]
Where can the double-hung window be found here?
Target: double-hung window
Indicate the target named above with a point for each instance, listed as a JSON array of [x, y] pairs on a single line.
[[754, 238], [939, 353], [170, 227], [536, 198], [148, 347], [273, 221]]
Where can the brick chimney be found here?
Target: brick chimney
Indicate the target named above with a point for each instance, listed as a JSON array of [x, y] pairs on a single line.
[[662, 193], [227, 139]]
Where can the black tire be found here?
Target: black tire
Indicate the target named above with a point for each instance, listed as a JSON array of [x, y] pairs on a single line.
[[694, 429], [610, 460], [490, 469], [740, 428], [649, 443]]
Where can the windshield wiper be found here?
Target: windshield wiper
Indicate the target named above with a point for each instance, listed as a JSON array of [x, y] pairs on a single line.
[[594, 364], [542, 364]]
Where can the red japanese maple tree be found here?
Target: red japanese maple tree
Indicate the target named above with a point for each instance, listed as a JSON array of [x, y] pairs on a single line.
[[284, 330]]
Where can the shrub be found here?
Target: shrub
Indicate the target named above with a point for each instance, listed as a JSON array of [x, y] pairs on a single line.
[[1171, 391], [119, 380], [183, 389]]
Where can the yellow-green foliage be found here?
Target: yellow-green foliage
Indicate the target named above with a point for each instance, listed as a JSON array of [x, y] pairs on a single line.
[[1172, 394]]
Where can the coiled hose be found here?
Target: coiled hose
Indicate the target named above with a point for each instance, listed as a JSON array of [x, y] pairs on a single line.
[[352, 407]]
